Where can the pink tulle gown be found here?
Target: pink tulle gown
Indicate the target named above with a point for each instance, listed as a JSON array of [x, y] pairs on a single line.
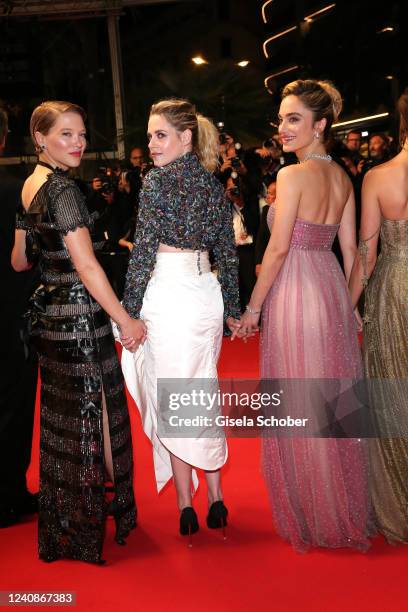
[[318, 486]]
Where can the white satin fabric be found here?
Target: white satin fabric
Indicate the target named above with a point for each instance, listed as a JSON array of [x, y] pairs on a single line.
[[183, 312]]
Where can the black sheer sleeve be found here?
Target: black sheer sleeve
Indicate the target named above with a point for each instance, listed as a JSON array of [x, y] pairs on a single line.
[[21, 220], [67, 205], [146, 243], [226, 260], [32, 247]]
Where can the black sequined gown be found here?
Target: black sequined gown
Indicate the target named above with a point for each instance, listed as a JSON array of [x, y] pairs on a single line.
[[78, 364]]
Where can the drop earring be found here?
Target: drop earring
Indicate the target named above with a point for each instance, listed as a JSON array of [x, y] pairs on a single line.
[[317, 135]]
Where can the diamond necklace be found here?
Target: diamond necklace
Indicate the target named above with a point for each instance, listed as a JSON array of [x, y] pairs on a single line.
[[326, 157]]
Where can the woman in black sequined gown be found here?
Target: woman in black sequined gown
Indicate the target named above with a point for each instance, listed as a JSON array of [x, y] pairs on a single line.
[[85, 430]]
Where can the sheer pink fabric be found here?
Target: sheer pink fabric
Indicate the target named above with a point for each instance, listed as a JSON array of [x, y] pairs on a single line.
[[317, 486]]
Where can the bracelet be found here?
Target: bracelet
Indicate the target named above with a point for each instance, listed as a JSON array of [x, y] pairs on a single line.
[[249, 309]]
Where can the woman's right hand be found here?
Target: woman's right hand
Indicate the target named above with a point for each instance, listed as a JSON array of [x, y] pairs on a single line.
[[133, 334]]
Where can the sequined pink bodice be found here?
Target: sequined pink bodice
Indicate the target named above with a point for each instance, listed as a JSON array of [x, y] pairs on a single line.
[[307, 235]]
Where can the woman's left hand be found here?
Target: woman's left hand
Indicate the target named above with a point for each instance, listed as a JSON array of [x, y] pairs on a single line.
[[248, 326], [232, 324]]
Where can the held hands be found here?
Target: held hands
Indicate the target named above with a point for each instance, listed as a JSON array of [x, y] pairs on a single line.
[[133, 334], [247, 326], [233, 325]]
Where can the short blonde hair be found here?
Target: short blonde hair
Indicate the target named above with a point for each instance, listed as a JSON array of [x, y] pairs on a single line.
[[45, 115], [182, 115]]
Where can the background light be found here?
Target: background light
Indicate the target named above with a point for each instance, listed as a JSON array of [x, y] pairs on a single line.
[[360, 119], [243, 63], [198, 60]]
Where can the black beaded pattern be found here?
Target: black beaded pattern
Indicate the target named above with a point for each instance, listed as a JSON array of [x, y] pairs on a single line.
[[78, 363], [184, 206]]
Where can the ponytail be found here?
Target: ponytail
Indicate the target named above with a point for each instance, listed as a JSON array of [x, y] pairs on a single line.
[[183, 116], [207, 143]]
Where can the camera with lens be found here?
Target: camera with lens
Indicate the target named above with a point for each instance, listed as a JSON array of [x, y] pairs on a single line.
[[146, 168], [108, 186], [132, 175], [235, 162], [222, 136], [270, 143], [235, 191], [108, 182]]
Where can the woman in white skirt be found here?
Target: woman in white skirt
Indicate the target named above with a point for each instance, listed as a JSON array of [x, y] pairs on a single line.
[[183, 216]]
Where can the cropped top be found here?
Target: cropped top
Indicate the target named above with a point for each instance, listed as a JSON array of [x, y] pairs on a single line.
[[183, 205]]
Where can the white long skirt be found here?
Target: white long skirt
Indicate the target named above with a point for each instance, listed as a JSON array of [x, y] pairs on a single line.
[[183, 312]]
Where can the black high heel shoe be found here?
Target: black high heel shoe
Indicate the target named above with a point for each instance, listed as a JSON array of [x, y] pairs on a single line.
[[117, 512], [217, 516], [188, 523]]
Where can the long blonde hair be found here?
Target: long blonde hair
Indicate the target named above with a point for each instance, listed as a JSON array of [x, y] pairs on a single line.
[[182, 115]]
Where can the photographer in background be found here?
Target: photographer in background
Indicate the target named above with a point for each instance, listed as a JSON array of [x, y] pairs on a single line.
[[244, 240], [136, 158], [263, 164], [230, 156], [353, 144], [132, 176], [114, 210], [18, 364], [273, 159], [264, 234], [378, 150]]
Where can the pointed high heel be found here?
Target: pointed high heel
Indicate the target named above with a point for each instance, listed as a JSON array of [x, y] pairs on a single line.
[[117, 512], [217, 517], [188, 523]]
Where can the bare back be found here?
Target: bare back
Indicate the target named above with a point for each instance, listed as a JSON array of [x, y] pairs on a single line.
[[32, 184], [390, 181], [324, 191]]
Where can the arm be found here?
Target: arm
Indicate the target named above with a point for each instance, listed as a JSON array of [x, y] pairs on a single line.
[[72, 219], [262, 239], [146, 243], [19, 259], [18, 254], [287, 204], [366, 256], [226, 260], [79, 245], [347, 234]]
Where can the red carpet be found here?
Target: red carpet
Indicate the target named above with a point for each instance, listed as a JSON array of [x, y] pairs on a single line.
[[253, 569]]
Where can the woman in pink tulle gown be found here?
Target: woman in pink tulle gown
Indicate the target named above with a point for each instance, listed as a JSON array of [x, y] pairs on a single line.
[[317, 486]]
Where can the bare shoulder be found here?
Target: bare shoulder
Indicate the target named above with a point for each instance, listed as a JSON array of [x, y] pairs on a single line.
[[343, 178], [384, 172], [391, 168], [290, 175], [28, 190]]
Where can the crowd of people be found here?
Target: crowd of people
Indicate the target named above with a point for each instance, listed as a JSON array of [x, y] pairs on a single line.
[[211, 240]]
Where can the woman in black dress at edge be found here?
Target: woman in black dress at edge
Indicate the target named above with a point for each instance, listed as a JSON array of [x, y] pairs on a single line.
[[183, 215], [85, 430]]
